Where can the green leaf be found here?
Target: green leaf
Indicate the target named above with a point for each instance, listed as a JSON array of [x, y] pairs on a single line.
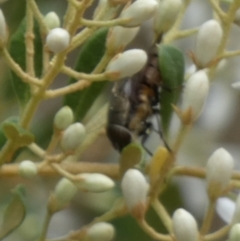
[[18, 53], [14, 214], [131, 155], [90, 55], [171, 65], [13, 131]]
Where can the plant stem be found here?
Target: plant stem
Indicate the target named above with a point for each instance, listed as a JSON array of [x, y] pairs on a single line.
[[163, 214], [45, 226]]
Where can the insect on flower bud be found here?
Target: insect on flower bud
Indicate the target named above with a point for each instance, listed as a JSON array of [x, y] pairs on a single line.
[[73, 137], [166, 15], [57, 40], [100, 232], [64, 191], [52, 20], [138, 12], [3, 30], [93, 182], [218, 172], [126, 64], [184, 226], [195, 94], [207, 46], [234, 234], [27, 169], [119, 37], [135, 189], [63, 118]]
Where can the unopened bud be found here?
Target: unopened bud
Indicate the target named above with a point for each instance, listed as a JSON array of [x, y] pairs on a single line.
[[184, 226], [52, 20], [218, 172], [64, 191], [138, 12], [206, 47], [126, 64], [57, 40], [93, 182], [63, 118], [135, 189], [234, 234], [27, 169], [195, 94], [73, 137], [100, 232], [225, 208], [3, 30], [119, 37], [166, 15]]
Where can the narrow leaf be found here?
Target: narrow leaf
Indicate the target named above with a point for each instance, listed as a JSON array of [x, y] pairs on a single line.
[[171, 65], [14, 214], [90, 55], [18, 53]]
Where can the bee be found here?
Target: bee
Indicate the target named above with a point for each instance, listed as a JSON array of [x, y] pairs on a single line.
[[133, 104]]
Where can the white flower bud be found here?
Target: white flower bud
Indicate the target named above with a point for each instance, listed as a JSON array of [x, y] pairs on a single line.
[[195, 93], [64, 191], [100, 232], [63, 118], [73, 137], [126, 64], [52, 20], [27, 169], [135, 189], [206, 47], [234, 234], [119, 37], [166, 15], [218, 172], [93, 182], [184, 226], [3, 30], [57, 40], [138, 12], [225, 208]]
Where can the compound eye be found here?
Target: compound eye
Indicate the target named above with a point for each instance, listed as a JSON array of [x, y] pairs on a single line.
[[119, 136]]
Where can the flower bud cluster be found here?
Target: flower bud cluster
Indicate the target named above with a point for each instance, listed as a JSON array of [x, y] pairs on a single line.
[[184, 226], [206, 47], [63, 118], [27, 169], [52, 20], [119, 37], [126, 64], [93, 182], [166, 15], [195, 94], [135, 190], [101, 231], [218, 172], [57, 40], [138, 12], [73, 137]]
